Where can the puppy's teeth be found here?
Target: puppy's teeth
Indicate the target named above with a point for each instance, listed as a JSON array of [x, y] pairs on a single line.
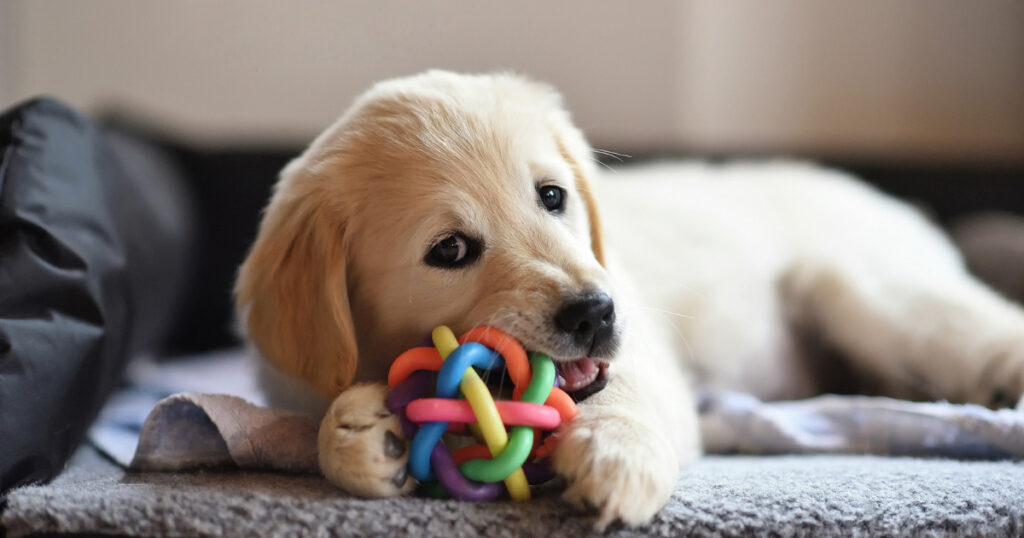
[[561, 381]]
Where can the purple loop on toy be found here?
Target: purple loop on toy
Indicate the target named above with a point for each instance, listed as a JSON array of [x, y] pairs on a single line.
[[409, 428], [459, 486], [415, 386], [418, 384]]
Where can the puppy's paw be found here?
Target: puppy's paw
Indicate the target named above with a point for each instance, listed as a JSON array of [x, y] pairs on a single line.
[[361, 449], [623, 469], [1002, 383]]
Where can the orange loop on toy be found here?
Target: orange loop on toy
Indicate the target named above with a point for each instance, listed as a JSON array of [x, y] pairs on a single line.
[[563, 403], [417, 358], [516, 363], [558, 399]]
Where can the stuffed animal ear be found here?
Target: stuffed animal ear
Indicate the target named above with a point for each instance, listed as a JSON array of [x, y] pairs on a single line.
[[291, 290]]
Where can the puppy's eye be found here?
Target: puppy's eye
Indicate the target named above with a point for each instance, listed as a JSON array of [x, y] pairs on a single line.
[[552, 198], [453, 251]]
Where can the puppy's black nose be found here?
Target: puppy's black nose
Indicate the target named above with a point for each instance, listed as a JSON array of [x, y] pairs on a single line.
[[588, 320]]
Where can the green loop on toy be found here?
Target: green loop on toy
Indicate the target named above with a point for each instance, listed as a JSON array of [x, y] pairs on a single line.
[[520, 440], [543, 379]]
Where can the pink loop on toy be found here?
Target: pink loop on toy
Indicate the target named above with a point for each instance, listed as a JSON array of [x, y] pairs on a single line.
[[512, 413]]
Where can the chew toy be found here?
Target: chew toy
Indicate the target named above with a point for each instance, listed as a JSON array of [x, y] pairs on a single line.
[[510, 430]]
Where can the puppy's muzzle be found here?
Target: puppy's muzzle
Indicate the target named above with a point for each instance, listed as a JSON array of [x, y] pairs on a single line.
[[589, 321]]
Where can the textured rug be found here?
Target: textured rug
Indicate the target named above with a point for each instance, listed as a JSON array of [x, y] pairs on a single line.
[[827, 495]]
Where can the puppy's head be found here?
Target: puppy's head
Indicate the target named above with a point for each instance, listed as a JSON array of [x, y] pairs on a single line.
[[439, 198]]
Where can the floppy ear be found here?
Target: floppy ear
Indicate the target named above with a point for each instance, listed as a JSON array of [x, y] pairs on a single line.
[[593, 217], [291, 290], [583, 186]]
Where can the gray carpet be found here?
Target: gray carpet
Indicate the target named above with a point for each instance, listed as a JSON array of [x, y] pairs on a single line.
[[720, 496]]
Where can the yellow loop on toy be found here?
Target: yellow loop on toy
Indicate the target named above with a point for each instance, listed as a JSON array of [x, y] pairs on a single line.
[[488, 419], [493, 430], [444, 340]]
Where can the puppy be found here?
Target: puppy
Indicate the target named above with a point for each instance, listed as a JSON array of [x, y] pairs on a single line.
[[469, 200]]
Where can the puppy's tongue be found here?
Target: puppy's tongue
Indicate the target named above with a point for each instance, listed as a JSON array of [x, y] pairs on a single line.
[[578, 373]]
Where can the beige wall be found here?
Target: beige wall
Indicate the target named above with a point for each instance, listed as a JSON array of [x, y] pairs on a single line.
[[878, 77], [899, 78]]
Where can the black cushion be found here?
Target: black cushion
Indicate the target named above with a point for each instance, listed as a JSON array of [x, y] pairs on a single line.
[[94, 242]]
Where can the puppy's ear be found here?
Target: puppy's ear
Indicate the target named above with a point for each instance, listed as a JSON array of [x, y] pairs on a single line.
[[583, 186], [291, 290], [593, 217]]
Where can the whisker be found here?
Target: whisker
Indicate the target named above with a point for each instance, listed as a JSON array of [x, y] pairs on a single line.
[[669, 312], [598, 161], [682, 338], [488, 323], [501, 384], [613, 154]]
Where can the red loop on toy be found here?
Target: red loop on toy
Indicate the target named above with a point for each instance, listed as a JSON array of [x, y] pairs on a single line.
[[512, 413], [417, 358], [471, 452]]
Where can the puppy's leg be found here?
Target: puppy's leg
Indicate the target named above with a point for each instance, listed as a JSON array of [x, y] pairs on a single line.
[[935, 334], [361, 448], [622, 453]]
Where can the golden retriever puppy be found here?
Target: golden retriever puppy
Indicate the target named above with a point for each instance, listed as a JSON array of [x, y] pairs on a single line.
[[472, 199]]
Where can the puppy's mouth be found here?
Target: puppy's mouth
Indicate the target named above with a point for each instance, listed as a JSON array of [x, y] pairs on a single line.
[[582, 378]]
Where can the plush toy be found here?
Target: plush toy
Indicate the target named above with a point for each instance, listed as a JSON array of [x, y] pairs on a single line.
[[510, 430]]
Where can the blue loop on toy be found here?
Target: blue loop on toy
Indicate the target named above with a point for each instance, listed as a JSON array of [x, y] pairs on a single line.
[[448, 379], [419, 450], [464, 356]]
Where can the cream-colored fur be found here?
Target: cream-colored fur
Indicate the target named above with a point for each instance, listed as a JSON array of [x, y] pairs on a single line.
[[716, 271]]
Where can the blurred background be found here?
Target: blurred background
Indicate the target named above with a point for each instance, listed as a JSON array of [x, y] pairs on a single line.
[[936, 81], [924, 99]]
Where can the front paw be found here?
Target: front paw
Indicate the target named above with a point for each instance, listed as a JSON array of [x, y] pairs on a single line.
[[624, 469], [361, 448], [1002, 382]]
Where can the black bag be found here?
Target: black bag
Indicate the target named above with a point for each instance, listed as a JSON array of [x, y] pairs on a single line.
[[94, 245]]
